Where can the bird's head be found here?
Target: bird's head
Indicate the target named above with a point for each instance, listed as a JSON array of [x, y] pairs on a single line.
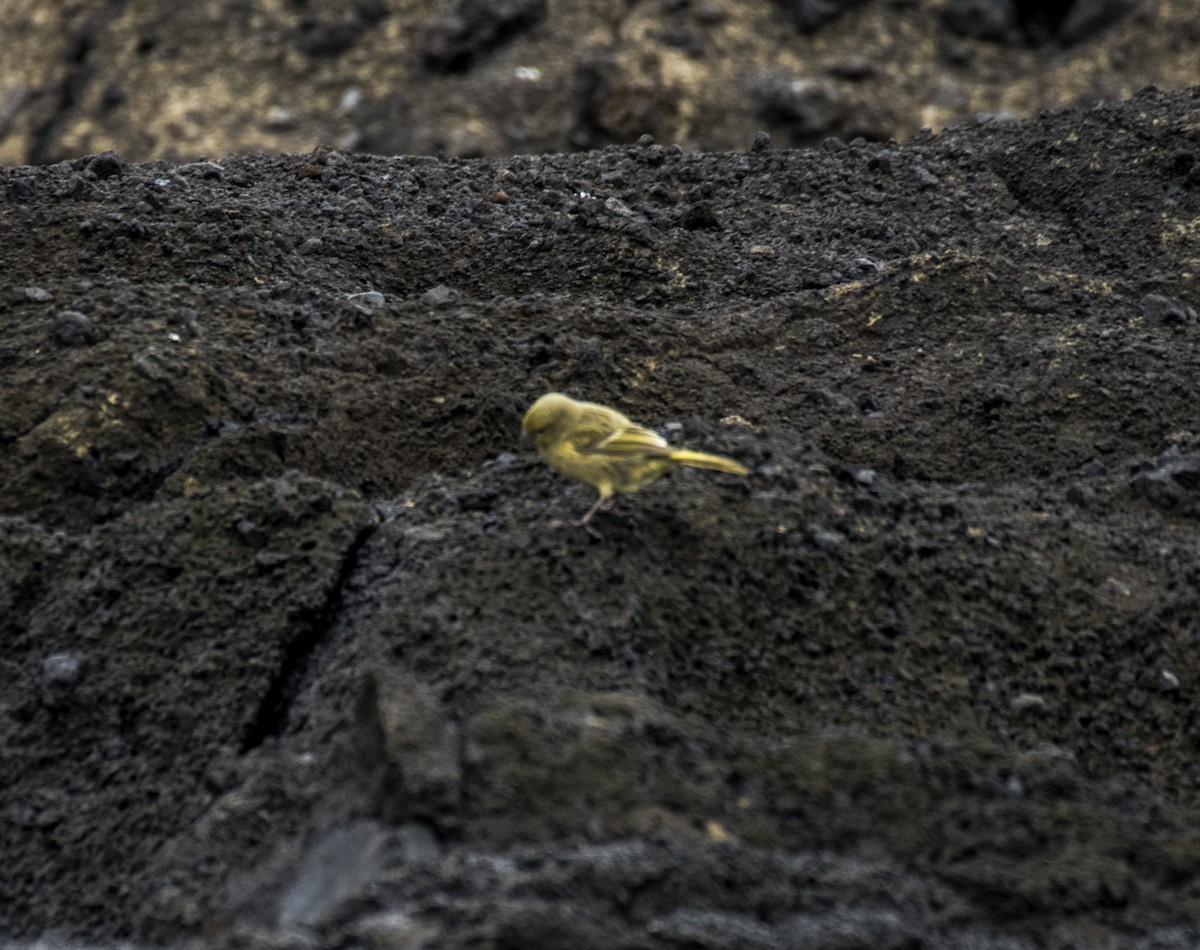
[[549, 416], [549, 413]]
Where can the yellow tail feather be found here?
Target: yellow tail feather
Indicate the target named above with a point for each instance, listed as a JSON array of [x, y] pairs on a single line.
[[717, 463]]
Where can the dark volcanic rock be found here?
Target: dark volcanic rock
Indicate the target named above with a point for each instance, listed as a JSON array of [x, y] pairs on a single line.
[[207, 78], [300, 651], [1172, 481], [71, 328], [1166, 310]]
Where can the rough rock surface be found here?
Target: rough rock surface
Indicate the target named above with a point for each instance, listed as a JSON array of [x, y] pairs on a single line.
[[295, 654], [207, 78]]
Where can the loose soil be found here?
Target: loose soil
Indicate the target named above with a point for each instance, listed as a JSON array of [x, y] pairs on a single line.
[[297, 652]]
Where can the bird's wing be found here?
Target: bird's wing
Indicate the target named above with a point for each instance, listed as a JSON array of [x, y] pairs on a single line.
[[632, 441]]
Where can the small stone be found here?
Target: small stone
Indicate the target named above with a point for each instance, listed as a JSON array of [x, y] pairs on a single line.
[[72, 328], [396, 929], [249, 532], [22, 188], [998, 395], [1026, 703], [1036, 301], [371, 299], [925, 178], [699, 216], [828, 542], [1166, 310], [61, 669], [271, 560], [882, 162], [867, 404], [185, 317], [104, 165], [38, 294], [440, 295], [1172, 481], [1167, 681], [207, 170], [149, 366], [761, 143], [1082, 496], [502, 461], [61, 673]]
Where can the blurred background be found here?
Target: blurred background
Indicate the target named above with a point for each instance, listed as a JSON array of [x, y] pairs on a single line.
[[162, 79]]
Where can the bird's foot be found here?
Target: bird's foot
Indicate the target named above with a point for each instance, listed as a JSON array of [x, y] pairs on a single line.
[[602, 504], [584, 523]]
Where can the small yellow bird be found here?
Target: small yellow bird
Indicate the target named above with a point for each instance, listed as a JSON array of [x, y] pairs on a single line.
[[602, 448]]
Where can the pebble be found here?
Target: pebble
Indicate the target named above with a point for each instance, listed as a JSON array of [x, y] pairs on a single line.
[[104, 165], [1082, 496], [1027, 702], [61, 669], [61, 673], [1168, 310], [1173, 480], [440, 295], [72, 328], [186, 317], [925, 178], [828, 542], [1167, 681], [998, 395], [371, 299]]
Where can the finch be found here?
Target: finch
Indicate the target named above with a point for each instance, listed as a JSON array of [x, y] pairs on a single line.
[[602, 448]]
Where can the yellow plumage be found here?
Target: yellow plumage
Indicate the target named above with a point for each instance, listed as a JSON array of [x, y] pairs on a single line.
[[603, 448]]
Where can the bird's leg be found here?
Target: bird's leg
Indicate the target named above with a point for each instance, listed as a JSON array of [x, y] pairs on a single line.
[[601, 504]]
